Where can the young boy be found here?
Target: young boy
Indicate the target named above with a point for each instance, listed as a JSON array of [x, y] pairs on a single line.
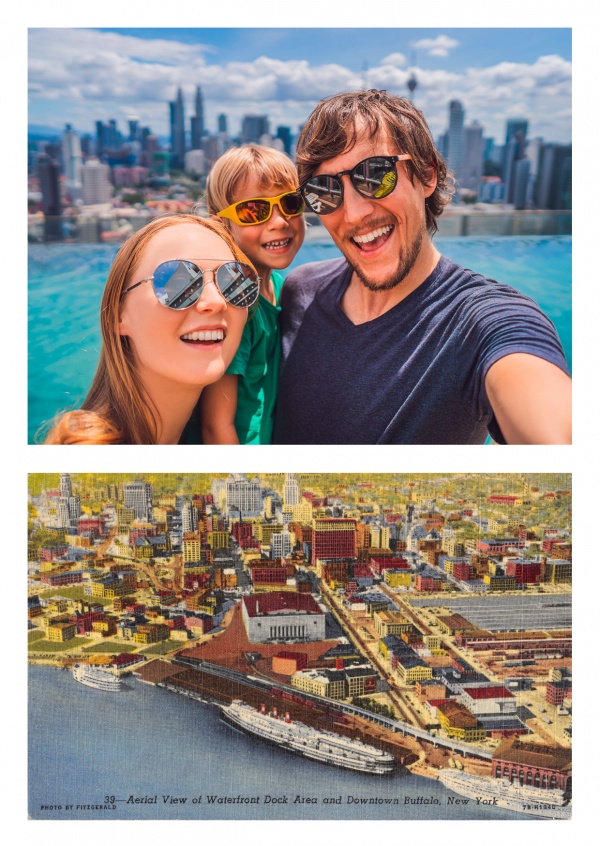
[[253, 190]]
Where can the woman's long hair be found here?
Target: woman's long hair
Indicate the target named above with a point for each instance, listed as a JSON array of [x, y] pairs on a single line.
[[117, 410]]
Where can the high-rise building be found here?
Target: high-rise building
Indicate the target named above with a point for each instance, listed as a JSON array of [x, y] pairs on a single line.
[[222, 124], [197, 120], [243, 495], [48, 173], [555, 176], [253, 126], [521, 183], [281, 544], [380, 537], [514, 151], [108, 137], [291, 490], [472, 164], [455, 139], [189, 518], [177, 123], [138, 497], [333, 538], [134, 129], [73, 160], [284, 133], [194, 161], [516, 128], [66, 488], [95, 183]]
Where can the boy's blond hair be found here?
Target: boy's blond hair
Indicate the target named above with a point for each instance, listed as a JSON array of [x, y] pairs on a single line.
[[271, 168]]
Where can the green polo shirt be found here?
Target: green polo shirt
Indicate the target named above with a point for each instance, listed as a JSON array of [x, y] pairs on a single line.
[[256, 363]]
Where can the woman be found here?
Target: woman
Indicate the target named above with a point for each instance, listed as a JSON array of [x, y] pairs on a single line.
[[172, 316]]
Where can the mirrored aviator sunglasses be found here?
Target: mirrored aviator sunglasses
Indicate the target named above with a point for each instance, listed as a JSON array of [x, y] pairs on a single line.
[[178, 284], [259, 210], [374, 178]]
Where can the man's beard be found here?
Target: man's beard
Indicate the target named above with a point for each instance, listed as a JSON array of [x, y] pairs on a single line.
[[406, 262]]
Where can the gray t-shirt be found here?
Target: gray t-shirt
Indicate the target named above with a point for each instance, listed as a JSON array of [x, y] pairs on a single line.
[[414, 375]]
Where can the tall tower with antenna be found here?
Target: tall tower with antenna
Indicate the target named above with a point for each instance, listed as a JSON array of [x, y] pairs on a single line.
[[365, 71], [412, 79]]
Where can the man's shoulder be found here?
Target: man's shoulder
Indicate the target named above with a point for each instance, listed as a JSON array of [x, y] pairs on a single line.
[[473, 288], [316, 274]]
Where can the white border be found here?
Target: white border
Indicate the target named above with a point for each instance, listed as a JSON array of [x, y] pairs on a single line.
[[20, 458]]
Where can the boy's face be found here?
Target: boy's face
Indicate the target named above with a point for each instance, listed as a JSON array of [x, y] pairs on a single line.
[[273, 244]]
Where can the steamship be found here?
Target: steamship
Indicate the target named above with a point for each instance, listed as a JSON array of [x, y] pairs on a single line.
[[324, 746]]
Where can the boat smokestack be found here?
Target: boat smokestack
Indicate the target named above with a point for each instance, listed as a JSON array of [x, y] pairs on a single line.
[[287, 717], [263, 709]]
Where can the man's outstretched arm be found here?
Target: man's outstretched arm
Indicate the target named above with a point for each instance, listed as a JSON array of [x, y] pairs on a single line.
[[531, 399]]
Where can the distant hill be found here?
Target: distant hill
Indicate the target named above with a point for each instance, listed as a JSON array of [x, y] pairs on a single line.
[[37, 131]]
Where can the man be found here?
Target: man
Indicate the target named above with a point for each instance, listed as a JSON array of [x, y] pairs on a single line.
[[395, 343]]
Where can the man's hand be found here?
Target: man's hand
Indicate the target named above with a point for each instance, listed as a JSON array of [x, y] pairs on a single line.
[[531, 399]]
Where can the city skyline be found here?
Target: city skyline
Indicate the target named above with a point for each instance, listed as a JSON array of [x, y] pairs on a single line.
[[497, 74], [426, 615]]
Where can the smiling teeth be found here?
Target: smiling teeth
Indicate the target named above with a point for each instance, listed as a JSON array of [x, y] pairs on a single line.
[[213, 335], [273, 245], [370, 236]]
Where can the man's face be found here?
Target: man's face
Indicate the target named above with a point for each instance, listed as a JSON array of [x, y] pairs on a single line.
[[381, 239]]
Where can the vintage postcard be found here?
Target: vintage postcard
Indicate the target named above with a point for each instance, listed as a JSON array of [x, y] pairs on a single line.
[[299, 646]]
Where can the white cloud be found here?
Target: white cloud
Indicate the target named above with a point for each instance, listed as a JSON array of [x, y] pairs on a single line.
[[396, 59], [81, 76], [439, 46]]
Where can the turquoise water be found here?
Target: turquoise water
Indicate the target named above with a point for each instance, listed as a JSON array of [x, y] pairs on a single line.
[[66, 283], [85, 745]]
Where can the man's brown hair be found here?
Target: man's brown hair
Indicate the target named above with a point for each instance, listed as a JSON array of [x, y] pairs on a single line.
[[339, 122]]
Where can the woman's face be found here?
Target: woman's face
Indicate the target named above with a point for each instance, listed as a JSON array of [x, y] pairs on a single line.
[[166, 342]]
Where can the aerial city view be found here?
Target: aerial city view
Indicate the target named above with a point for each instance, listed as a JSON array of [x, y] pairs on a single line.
[[299, 646]]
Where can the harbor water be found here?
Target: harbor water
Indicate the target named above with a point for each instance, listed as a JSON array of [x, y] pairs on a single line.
[[93, 753]]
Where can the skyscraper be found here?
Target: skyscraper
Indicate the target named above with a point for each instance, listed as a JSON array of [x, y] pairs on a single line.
[[472, 164], [517, 128], [95, 183], [177, 122], [66, 488], [138, 496], [222, 124], [253, 127], [455, 139], [197, 120], [333, 538], [72, 160], [554, 182], [48, 172], [514, 151], [521, 182], [291, 491], [281, 544], [243, 495], [284, 133], [189, 518]]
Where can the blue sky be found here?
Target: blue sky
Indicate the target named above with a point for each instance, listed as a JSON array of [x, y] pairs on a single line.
[[82, 75]]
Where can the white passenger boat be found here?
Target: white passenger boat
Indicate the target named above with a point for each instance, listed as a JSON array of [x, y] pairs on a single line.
[[95, 677], [536, 801], [324, 746]]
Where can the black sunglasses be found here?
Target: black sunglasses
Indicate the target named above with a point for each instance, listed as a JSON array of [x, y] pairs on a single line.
[[179, 283], [375, 178]]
